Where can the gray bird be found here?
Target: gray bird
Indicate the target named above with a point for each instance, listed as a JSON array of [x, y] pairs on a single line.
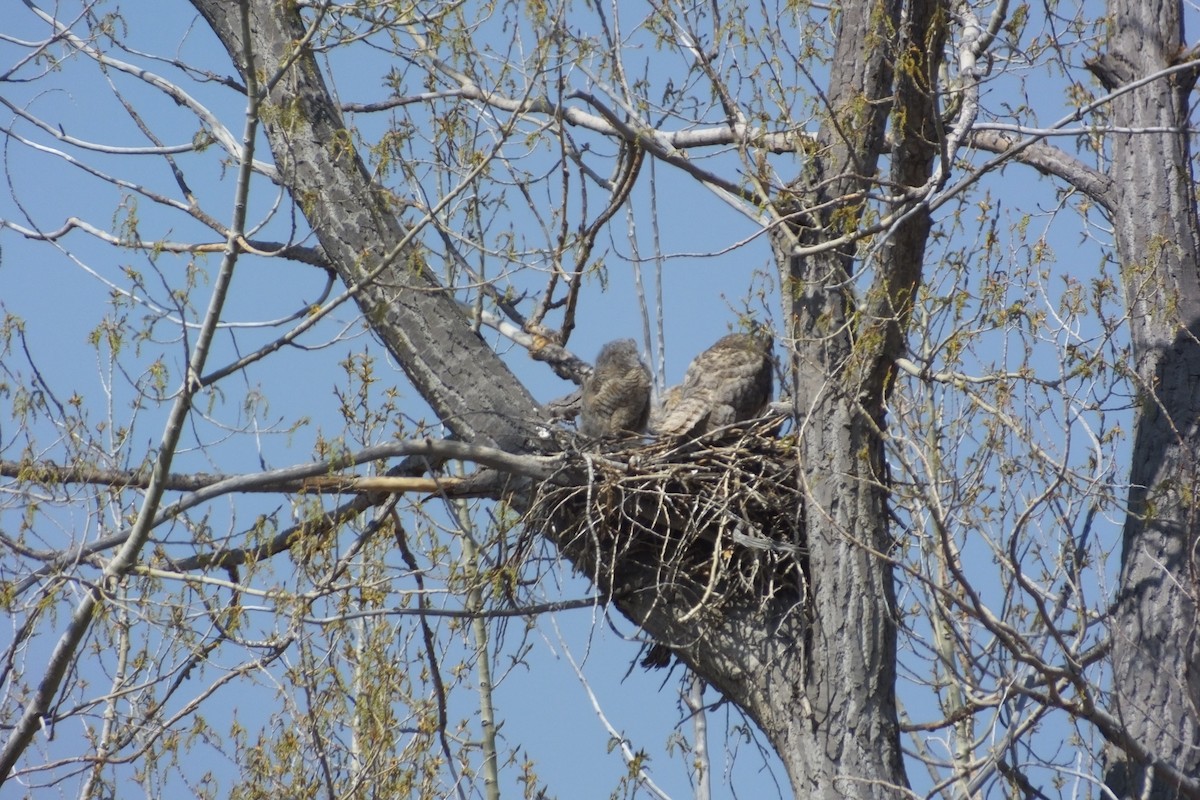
[[616, 397], [729, 382]]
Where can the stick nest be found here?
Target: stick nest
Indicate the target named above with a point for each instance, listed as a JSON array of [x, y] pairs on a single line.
[[709, 523]]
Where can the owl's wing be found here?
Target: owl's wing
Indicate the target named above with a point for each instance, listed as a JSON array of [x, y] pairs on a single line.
[[670, 399], [687, 415], [686, 406]]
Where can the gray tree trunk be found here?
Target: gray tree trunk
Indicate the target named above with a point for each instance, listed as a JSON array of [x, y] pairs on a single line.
[[844, 351], [1156, 659], [457, 373]]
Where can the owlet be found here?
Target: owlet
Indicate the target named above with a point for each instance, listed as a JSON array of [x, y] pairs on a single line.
[[616, 397]]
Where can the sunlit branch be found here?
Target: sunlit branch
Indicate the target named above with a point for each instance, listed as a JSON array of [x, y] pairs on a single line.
[[37, 50], [1014, 150], [133, 242], [532, 610], [313, 476], [57, 132], [137, 188], [619, 741], [283, 541], [483, 652], [603, 123], [1090, 130], [973, 43], [667, 153], [536, 467], [294, 252], [398, 102], [665, 146], [214, 125], [564, 363], [743, 201], [701, 763], [962, 379], [1047, 160]]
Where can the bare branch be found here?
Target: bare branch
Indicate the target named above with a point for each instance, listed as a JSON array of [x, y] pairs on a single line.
[[213, 123]]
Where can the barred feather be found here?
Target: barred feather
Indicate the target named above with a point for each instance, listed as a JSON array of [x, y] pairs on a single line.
[[729, 382]]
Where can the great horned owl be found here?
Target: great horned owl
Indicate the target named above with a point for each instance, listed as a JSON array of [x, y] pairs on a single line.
[[727, 383], [616, 397]]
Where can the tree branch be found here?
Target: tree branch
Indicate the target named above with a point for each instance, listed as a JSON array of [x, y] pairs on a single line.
[[1049, 161], [215, 127], [458, 374]]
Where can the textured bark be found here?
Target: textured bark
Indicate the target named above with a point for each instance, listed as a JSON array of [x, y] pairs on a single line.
[[1156, 661], [815, 666], [843, 367], [458, 374]]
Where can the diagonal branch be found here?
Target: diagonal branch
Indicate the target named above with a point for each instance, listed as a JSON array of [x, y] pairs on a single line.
[[1049, 161], [208, 487], [454, 369]]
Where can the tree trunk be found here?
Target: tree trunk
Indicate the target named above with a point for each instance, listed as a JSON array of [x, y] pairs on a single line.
[[459, 375], [1156, 671], [886, 62]]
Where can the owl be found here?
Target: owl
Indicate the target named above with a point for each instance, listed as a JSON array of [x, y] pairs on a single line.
[[616, 397], [727, 383]]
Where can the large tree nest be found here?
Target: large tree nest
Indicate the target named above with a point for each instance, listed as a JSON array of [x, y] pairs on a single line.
[[705, 526]]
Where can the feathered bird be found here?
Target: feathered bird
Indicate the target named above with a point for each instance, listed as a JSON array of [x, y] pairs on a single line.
[[729, 382], [616, 397]]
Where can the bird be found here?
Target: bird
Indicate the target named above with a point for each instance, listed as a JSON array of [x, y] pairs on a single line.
[[729, 382], [616, 396]]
